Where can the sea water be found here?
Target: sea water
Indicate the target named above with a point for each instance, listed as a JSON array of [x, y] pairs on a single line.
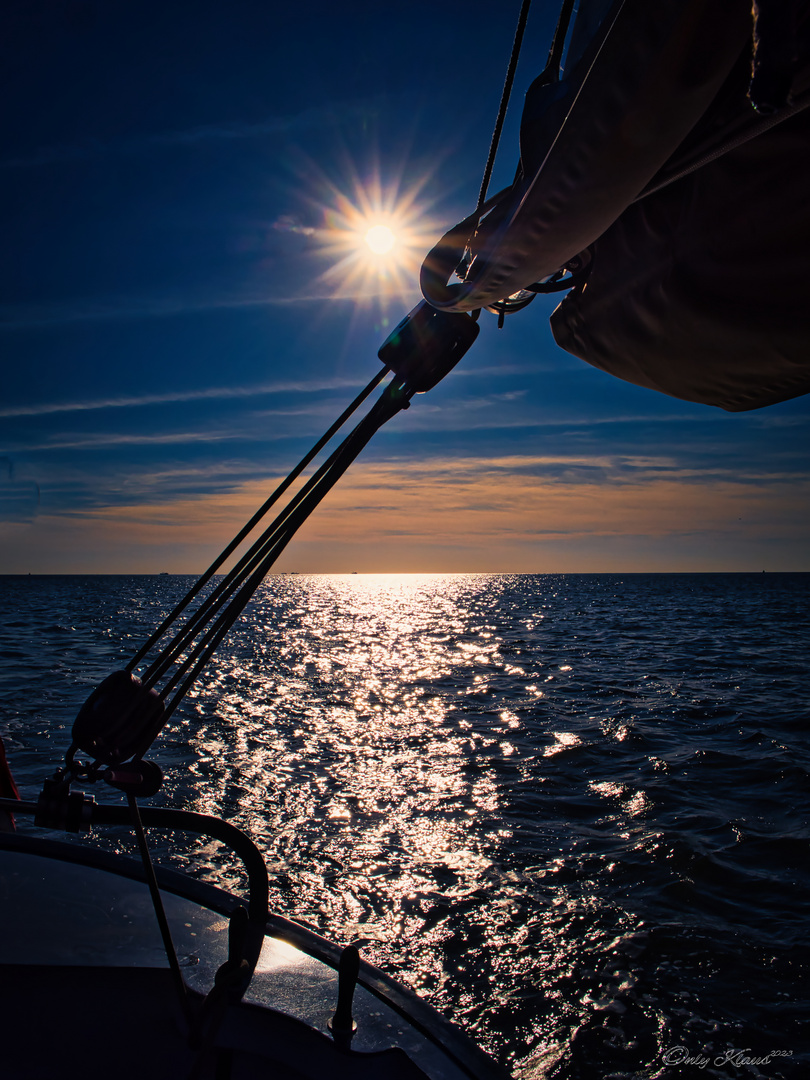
[[570, 810]]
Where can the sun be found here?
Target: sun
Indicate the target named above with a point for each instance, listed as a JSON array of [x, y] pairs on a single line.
[[381, 239], [374, 237]]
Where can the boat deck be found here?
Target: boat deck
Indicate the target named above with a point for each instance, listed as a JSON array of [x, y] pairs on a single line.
[[84, 980]]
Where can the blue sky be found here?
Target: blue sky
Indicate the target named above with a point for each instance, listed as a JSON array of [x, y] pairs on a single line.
[[177, 326]]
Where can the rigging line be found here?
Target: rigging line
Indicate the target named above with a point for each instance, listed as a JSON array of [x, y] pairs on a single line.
[[250, 525], [160, 913], [160, 632], [505, 94], [282, 535], [359, 439], [226, 620], [558, 41], [231, 582]]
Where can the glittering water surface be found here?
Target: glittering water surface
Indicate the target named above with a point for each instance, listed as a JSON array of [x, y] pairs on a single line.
[[572, 811]]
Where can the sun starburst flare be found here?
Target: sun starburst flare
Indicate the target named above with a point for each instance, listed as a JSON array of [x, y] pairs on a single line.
[[375, 241]]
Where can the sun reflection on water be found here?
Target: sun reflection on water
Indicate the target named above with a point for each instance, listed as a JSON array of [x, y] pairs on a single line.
[[517, 793], [357, 699], [429, 766]]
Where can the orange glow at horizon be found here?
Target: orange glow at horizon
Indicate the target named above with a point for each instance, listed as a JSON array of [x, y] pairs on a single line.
[[462, 515]]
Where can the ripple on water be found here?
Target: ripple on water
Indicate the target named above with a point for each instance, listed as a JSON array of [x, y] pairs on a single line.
[[570, 810]]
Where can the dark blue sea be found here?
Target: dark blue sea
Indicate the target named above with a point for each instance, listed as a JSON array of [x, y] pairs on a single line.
[[570, 810]]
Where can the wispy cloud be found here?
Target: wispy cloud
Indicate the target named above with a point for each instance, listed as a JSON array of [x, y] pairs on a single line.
[[104, 441], [123, 308], [446, 515], [334, 114], [573, 470], [495, 411], [212, 393]]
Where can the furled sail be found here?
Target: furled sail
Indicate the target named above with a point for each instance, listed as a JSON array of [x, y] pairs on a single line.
[[680, 184]]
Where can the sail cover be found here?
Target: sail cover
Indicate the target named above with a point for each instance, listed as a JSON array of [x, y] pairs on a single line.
[[700, 290], [647, 162]]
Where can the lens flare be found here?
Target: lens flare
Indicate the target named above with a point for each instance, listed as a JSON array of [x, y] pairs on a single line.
[[374, 234]]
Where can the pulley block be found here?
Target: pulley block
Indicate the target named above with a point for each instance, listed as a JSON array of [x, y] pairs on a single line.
[[426, 344]]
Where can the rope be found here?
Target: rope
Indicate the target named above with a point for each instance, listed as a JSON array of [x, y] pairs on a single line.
[[505, 94], [552, 70], [257, 517], [250, 559], [194, 643], [550, 73], [160, 913]]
